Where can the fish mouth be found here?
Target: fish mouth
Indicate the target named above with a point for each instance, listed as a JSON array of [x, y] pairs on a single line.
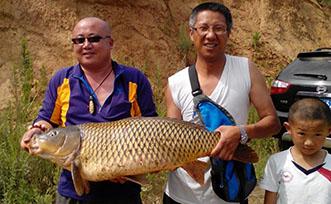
[[34, 150], [33, 146]]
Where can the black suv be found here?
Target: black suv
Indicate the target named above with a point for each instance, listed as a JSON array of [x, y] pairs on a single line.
[[308, 76]]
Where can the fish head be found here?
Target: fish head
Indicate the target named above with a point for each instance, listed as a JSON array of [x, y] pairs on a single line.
[[56, 145]]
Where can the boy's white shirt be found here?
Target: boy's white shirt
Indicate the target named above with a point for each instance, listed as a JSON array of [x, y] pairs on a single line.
[[292, 184]]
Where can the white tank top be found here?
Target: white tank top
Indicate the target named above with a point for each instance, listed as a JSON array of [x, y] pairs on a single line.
[[231, 92]]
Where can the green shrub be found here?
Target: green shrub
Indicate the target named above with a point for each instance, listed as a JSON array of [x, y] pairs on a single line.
[[183, 41], [158, 90], [256, 39], [24, 179], [263, 147], [325, 2]]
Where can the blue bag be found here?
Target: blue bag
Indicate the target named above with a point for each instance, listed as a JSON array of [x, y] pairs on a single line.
[[232, 181]]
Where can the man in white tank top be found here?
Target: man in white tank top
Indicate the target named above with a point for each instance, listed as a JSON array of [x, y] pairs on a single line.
[[232, 82]]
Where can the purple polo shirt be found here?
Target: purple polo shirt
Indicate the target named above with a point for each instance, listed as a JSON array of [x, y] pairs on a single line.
[[66, 103]]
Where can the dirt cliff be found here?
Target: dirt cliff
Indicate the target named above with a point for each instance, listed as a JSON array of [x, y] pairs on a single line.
[[149, 34]]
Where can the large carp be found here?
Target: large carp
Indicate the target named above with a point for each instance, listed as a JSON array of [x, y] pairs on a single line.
[[130, 148]]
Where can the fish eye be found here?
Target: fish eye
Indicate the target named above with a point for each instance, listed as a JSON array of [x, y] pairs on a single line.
[[53, 133]]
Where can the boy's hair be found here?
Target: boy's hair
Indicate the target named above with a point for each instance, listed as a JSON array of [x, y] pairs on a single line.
[[212, 6], [309, 109]]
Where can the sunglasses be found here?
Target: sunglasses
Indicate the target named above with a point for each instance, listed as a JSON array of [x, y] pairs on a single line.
[[90, 39]]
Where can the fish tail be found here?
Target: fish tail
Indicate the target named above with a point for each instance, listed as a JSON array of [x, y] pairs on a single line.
[[246, 154]]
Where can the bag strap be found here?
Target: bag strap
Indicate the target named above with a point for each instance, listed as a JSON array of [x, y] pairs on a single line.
[[219, 166], [194, 81]]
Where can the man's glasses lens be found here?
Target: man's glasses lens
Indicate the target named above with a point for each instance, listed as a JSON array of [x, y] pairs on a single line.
[[90, 39], [203, 30]]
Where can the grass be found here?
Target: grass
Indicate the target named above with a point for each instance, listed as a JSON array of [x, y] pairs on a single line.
[[154, 192], [165, 27], [183, 41], [25, 179], [263, 147], [256, 39], [325, 2], [158, 90]]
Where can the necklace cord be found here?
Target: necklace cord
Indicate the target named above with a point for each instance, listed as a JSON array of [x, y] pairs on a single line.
[[103, 81], [91, 103]]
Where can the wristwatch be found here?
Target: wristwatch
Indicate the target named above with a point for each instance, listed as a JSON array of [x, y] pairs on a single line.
[[243, 136]]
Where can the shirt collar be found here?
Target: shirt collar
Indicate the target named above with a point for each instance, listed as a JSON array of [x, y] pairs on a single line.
[[79, 73]]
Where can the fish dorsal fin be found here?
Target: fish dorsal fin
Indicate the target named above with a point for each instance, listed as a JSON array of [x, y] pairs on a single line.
[[140, 179], [197, 170], [81, 185]]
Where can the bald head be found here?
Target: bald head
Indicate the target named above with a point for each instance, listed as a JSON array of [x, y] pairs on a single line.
[[95, 22], [92, 44], [309, 109]]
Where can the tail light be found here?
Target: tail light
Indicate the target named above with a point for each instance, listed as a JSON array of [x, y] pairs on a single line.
[[279, 87]]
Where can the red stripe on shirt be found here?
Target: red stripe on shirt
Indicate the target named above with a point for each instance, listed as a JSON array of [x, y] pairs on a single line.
[[326, 173]]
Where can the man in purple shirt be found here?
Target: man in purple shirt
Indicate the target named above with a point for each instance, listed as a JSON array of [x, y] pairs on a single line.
[[97, 89]]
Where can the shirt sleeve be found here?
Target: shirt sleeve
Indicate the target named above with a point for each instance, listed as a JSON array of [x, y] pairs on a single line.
[[49, 104], [145, 97], [269, 181]]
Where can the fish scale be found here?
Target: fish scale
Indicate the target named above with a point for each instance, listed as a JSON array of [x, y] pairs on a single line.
[[134, 143], [131, 147]]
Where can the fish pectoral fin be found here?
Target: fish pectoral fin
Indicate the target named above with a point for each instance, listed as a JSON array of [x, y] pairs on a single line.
[[81, 185], [197, 170], [71, 157], [140, 179], [245, 154]]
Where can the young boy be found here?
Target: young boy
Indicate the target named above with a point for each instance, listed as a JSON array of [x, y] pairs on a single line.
[[301, 174]]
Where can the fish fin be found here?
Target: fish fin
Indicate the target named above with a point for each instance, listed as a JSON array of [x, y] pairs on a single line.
[[197, 170], [72, 156], [246, 154], [67, 161], [140, 179], [81, 185]]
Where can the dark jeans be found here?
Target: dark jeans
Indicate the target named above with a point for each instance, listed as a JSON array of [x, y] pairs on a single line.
[[168, 200], [125, 200]]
